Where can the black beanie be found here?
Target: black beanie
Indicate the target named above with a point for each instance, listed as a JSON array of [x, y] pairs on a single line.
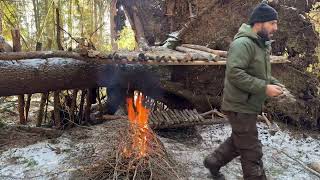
[[263, 13]]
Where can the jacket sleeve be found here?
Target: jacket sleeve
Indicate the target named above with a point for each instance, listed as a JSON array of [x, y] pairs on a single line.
[[275, 81], [239, 56]]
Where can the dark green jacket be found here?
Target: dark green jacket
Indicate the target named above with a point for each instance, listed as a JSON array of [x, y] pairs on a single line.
[[248, 72]]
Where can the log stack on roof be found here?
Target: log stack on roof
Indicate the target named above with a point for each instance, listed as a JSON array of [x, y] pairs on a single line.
[[186, 54]]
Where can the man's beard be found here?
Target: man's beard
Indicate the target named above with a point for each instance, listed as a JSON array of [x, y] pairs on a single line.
[[264, 35]]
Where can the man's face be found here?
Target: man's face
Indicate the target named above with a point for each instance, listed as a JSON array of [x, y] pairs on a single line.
[[267, 29]]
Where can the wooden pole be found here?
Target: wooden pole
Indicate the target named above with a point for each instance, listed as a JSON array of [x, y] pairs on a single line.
[[27, 107], [57, 108], [113, 11], [56, 97], [60, 47], [88, 105], [1, 28], [170, 7], [83, 94], [17, 48], [44, 97], [73, 106], [43, 100]]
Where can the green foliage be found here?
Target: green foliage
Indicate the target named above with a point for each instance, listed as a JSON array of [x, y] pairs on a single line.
[[37, 22], [30, 162], [127, 40]]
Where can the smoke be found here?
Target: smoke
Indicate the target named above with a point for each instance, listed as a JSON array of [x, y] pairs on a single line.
[[122, 80]]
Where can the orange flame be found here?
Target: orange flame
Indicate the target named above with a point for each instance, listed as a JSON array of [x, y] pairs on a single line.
[[138, 117]]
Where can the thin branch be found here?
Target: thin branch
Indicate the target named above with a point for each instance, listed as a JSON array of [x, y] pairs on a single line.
[[97, 29], [299, 162], [67, 33]]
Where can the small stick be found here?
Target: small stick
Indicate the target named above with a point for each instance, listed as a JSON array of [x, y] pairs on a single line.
[[301, 163]]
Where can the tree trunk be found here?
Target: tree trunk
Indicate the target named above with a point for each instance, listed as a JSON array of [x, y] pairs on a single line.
[[113, 11], [17, 48], [27, 108], [43, 101], [73, 106], [70, 24], [43, 75], [170, 12], [82, 99], [56, 110], [58, 29], [88, 106], [1, 21], [35, 4]]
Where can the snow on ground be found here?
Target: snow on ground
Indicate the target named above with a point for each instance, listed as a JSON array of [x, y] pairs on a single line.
[[191, 152], [42, 160], [58, 158]]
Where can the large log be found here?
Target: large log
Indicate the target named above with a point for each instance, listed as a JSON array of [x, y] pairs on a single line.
[[51, 74], [35, 72], [43, 75]]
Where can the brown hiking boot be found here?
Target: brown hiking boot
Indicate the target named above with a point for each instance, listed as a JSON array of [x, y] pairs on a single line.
[[211, 164]]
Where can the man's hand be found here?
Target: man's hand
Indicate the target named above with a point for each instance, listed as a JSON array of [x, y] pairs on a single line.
[[273, 90]]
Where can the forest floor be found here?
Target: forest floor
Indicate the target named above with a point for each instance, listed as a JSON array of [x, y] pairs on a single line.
[[68, 155]]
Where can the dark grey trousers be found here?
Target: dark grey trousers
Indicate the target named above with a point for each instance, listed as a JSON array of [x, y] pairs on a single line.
[[243, 142]]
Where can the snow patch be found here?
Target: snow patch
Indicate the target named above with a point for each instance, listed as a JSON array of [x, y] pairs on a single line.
[[277, 165], [37, 161]]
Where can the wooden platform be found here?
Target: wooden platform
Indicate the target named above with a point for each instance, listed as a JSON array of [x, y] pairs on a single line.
[[180, 118]]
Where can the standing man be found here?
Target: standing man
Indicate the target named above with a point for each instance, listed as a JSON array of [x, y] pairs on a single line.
[[248, 82]]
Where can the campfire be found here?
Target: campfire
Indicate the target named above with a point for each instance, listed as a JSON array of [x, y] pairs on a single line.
[[138, 154], [138, 118]]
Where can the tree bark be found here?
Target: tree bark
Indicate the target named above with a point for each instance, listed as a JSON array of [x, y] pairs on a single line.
[[1, 21], [136, 24], [82, 99], [73, 106], [170, 11], [88, 106], [56, 110], [17, 48], [43, 101], [58, 29], [44, 75], [27, 107], [113, 11]]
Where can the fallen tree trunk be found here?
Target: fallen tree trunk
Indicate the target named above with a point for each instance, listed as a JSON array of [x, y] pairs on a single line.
[[43, 75], [40, 55], [52, 74]]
